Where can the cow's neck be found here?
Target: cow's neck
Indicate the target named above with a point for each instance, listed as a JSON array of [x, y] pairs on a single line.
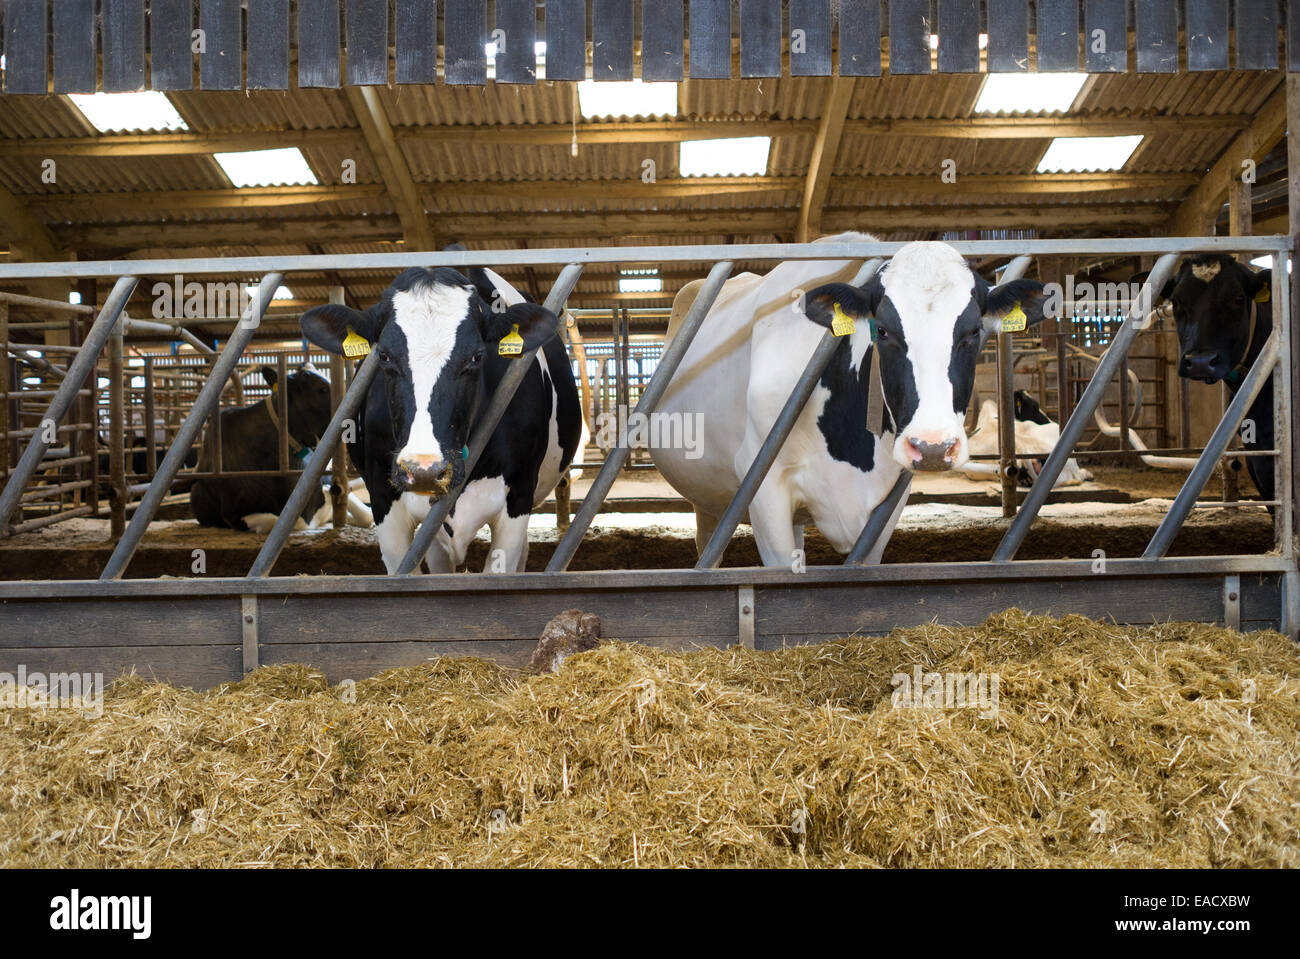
[[1261, 325], [295, 448]]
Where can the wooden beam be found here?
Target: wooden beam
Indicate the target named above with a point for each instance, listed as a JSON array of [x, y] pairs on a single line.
[[1022, 128], [24, 232], [393, 170], [1200, 208], [826, 148]]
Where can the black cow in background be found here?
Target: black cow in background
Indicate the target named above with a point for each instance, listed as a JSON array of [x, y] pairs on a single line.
[[250, 441], [1224, 316]]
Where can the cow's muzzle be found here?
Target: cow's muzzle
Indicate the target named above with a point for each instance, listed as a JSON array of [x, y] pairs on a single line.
[[927, 455], [426, 474], [1207, 366]]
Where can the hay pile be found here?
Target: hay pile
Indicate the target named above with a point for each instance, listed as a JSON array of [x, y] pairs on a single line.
[[1111, 747]]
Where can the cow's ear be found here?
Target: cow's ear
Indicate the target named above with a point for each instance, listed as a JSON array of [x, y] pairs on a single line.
[[1014, 306], [268, 374], [330, 325], [525, 326], [831, 304], [1259, 286]]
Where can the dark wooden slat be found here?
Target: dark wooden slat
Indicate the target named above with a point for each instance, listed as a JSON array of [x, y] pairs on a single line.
[[25, 61], [74, 46], [1157, 36], [1207, 34], [416, 41], [909, 36], [318, 43], [959, 28], [663, 23], [710, 39], [1058, 35], [171, 51], [566, 39], [1292, 35], [760, 38], [612, 25], [198, 667], [122, 23], [1256, 34], [221, 65], [268, 45], [813, 17], [157, 622], [516, 25], [367, 38], [1107, 51], [465, 28], [1008, 50], [860, 38]]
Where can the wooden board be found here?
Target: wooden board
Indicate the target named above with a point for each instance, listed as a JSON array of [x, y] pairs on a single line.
[[860, 38], [1157, 36], [465, 30], [515, 35], [1008, 50], [1207, 34], [1058, 35], [959, 28], [710, 39], [221, 64], [75, 41], [318, 43], [367, 39], [1256, 34], [416, 41], [566, 40], [612, 24], [268, 45], [909, 36], [760, 38], [123, 38], [1105, 36], [810, 38], [662, 40]]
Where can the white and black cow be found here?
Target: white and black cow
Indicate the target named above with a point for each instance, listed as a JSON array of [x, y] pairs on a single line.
[[1036, 434], [1224, 316], [438, 334], [930, 314], [250, 441]]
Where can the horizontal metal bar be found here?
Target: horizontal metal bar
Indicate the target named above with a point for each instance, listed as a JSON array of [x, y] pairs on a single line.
[[623, 580], [487, 425], [634, 254]]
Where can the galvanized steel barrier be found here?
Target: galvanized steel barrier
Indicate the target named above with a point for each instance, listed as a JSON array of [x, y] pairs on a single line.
[[217, 628]]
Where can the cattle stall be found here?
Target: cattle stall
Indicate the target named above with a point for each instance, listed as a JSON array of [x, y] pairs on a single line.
[[205, 630]]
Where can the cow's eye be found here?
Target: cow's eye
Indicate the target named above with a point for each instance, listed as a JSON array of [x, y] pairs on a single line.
[[475, 360], [882, 334]]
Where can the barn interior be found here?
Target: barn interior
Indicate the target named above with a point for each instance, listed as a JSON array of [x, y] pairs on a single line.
[[391, 167]]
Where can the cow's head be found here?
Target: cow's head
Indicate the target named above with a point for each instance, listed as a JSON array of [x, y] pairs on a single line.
[[929, 314], [435, 333], [309, 402], [1213, 297]]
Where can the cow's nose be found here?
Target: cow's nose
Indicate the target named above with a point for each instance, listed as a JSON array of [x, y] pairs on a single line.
[[931, 455], [426, 473], [1203, 365]]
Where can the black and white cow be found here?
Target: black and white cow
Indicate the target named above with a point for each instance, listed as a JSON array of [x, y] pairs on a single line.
[[1036, 434], [1223, 314], [930, 314], [250, 441], [438, 335]]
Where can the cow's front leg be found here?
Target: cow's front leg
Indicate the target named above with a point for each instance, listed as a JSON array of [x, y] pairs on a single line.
[[395, 533], [509, 549], [772, 517]]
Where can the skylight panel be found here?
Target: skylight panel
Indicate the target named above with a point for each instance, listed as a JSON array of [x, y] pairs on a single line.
[[115, 112], [283, 167], [1029, 92], [737, 156], [1076, 154], [627, 98]]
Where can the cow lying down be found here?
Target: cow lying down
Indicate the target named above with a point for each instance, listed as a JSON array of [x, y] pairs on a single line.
[[250, 441], [1033, 436]]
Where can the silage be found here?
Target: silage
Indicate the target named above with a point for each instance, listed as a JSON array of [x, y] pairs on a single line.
[[1173, 745]]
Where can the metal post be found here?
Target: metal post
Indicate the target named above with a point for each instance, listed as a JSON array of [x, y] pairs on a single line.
[[486, 426], [82, 364], [668, 363], [1073, 428], [282, 409], [208, 399], [1007, 423], [877, 520], [1260, 371], [150, 442], [4, 389], [116, 435], [339, 456]]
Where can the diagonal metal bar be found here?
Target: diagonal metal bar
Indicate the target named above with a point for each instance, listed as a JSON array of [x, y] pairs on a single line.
[[877, 520], [1101, 377], [650, 396], [486, 426], [75, 376], [1259, 373], [206, 401], [711, 555]]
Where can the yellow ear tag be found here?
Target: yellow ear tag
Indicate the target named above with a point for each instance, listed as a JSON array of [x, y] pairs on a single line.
[[841, 323], [354, 344], [512, 344], [1014, 321], [1262, 296]]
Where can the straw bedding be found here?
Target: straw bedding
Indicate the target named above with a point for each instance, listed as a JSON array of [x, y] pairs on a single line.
[[1174, 745]]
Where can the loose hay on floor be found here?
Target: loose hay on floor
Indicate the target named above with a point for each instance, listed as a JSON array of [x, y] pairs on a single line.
[[1176, 745]]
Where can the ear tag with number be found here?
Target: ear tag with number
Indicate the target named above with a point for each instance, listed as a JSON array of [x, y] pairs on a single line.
[[512, 344], [354, 344], [1015, 320], [1262, 296], [841, 323]]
